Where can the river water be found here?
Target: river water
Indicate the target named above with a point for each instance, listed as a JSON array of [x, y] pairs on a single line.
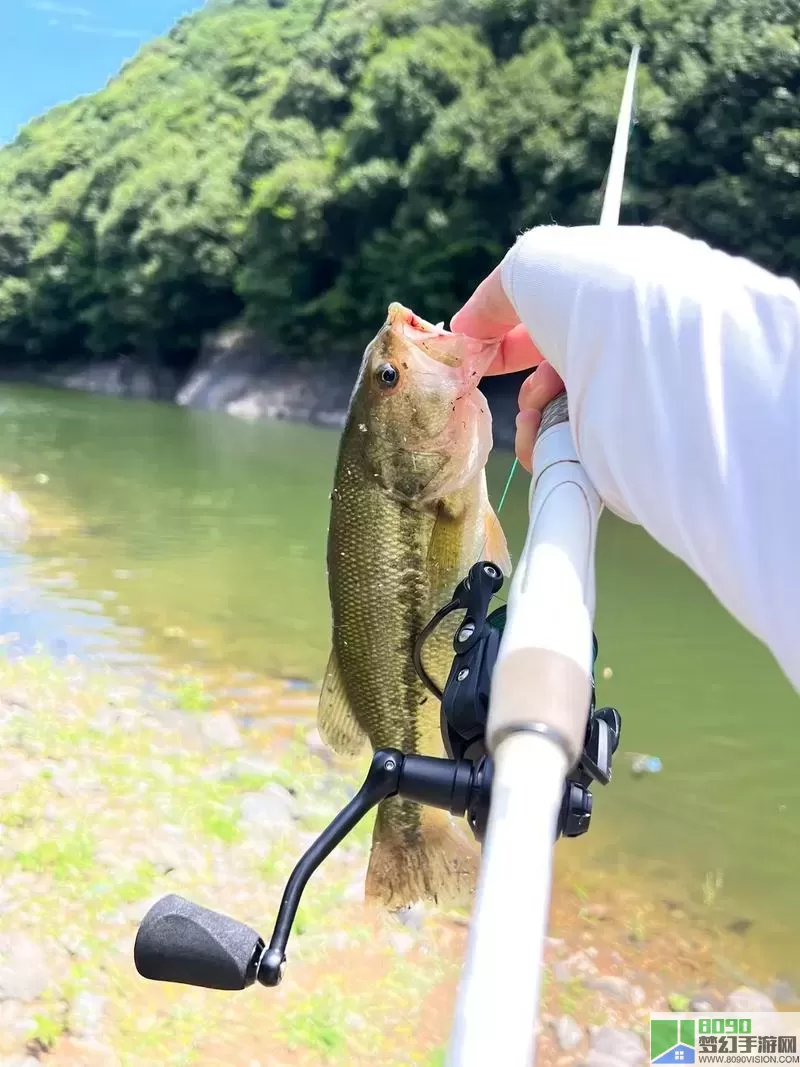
[[192, 540]]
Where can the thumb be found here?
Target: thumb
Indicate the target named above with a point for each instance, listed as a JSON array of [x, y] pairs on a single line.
[[488, 314]]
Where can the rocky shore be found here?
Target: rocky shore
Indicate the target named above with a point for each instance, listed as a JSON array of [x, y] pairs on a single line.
[[237, 372], [112, 798]]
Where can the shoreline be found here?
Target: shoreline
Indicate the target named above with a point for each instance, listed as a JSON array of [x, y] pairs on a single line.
[[238, 373]]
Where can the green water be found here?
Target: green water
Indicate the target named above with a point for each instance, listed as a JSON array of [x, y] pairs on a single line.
[[200, 540]]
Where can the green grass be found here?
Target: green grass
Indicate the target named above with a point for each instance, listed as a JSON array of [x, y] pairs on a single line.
[[318, 1023], [222, 824], [191, 695], [66, 857], [49, 1023]]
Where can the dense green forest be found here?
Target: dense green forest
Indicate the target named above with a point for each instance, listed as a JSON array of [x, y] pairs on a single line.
[[300, 163]]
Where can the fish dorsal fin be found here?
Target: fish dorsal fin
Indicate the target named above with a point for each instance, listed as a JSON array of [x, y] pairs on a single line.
[[335, 720], [496, 547]]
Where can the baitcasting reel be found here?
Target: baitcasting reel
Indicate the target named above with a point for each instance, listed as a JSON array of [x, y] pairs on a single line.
[[179, 941]]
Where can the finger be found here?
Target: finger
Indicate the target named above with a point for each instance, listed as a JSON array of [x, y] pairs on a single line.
[[488, 314], [540, 388], [517, 352], [527, 428]]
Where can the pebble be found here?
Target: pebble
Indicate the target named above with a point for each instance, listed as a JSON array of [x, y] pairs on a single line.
[[745, 999], [597, 911], [618, 1045], [251, 765], [611, 986], [86, 1015], [24, 972], [578, 965], [273, 807], [220, 729], [568, 1033], [412, 917]]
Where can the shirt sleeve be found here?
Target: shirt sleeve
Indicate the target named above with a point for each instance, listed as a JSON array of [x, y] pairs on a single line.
[[682, 370]]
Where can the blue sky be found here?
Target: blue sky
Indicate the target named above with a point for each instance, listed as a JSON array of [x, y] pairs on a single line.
[[54, 50]]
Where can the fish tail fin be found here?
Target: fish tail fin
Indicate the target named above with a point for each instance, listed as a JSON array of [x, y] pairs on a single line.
[[420, 854]]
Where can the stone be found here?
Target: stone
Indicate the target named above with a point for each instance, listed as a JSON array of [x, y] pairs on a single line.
[[568, 1033], [220, 729], [251, 765], [622, 1046], [597, 911], [272, 808], [578, 965], [412, 917], [24, 971], [748, 1000], [611, 986], [86, 1015]]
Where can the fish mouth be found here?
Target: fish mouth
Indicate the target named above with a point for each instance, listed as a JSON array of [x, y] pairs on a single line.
[[467, 354]]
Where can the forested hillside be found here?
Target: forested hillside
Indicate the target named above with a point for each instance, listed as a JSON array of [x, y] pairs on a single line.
[[302, 162]]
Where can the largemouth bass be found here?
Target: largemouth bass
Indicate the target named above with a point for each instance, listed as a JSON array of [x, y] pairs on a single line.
[[410, 514]]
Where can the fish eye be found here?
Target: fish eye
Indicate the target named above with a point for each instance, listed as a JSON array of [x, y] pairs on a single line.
[[388, 376]]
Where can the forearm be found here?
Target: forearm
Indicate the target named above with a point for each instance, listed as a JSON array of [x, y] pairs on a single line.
[[682, 371]]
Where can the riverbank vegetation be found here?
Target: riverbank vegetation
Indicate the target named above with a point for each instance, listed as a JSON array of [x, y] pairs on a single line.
[[299, 163]]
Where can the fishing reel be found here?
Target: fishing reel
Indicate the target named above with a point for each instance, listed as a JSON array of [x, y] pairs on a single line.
[[179, 941], [465, 705]]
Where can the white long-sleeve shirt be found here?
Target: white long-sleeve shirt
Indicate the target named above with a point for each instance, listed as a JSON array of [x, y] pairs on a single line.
[[682, 370]]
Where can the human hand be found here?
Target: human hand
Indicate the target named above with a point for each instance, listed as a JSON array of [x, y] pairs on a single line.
[[489, 315]]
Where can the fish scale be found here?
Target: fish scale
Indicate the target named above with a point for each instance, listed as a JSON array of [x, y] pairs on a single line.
[[396, 550]]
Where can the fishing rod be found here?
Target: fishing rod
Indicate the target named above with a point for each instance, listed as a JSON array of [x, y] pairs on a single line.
[[542, 690], [525, 742]]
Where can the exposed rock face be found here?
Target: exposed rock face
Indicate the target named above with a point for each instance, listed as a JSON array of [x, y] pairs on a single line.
[[120, 377], [238, 372]]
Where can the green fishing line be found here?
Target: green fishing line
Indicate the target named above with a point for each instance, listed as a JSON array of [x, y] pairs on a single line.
[[504, 494]]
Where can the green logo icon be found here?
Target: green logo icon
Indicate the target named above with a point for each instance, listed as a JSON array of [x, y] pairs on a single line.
[[672, 1041]]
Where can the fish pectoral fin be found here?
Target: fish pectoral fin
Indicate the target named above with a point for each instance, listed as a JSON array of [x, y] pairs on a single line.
[[496, 549], [335, 720]]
